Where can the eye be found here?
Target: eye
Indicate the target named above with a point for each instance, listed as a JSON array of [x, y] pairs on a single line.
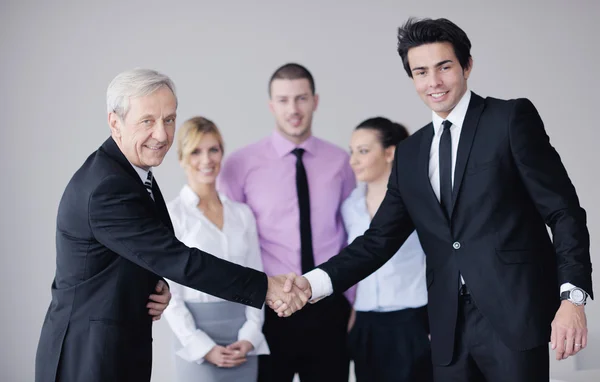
[[214, 150], [170, 120], [195, 152], [147, 122], [364, 151], [445, 68]]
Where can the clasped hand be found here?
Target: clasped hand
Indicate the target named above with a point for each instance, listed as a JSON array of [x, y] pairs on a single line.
[[286, 294]]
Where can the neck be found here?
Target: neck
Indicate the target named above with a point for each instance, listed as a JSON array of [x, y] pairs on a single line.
[[297, 140], [377, 188], [207, 193]]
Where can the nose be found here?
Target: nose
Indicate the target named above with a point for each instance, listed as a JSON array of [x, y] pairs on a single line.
[[434, 79], [353, 160], [160, 131]]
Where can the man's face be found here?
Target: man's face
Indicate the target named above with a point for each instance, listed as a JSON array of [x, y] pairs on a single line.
[[439, 79], [146, 133], [293, 104]]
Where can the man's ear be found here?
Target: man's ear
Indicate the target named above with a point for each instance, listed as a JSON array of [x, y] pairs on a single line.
[[114, 122]]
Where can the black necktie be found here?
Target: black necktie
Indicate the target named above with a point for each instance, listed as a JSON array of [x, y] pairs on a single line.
[[445, 154], [306, 248], [148, 184]]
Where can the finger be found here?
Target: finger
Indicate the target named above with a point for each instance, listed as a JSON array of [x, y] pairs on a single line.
[[156, 306], [162, 298], [560, 343], [160, 286], [154, 312], [584, 339], [553, 336], [289, 282], [570, 344], [578, 342], [156, 318], [282, 308]]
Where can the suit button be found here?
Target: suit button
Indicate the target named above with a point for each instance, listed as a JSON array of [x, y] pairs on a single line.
[[456, 245]]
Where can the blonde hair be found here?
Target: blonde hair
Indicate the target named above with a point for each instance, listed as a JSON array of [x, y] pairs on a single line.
[[190, 134]]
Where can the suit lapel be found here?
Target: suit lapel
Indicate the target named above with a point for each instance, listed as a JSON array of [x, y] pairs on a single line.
[[161, 205], [110, 147], [423, 170], [467, 134]]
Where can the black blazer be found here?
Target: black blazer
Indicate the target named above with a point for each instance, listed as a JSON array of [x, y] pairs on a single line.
[[113, 244], [509, 184]]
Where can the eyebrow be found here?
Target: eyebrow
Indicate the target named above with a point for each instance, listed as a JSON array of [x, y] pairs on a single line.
[[436, 65]]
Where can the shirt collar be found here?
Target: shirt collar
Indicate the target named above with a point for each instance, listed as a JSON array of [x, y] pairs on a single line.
[[189, 197], [141, 172], [456, 116], [283, 146]]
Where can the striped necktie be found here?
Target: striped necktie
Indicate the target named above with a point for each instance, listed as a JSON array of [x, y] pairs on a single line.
[[148, 184]]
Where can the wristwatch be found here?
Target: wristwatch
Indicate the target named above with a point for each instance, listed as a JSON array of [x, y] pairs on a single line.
[[576, 295]]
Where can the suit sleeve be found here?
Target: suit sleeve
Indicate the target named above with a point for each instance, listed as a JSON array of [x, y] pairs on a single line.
[[550, 188], [122, 219], [389, 229]]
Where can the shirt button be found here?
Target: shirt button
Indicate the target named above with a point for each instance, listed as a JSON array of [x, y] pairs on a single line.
[[456, 245]]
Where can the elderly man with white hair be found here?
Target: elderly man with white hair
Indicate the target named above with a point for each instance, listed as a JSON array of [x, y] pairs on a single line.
[[115, 243]]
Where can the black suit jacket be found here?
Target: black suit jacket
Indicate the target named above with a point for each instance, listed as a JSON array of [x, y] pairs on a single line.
[[113, 244], [509, 184]]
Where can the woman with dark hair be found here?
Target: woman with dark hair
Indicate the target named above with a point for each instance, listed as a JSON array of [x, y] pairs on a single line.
[[389, 338]]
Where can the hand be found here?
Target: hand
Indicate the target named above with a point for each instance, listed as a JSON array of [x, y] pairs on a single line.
[[285, 296], [351, 320], [241, 348], [222, 357], [569, 330], [292, 282], [159, 302]]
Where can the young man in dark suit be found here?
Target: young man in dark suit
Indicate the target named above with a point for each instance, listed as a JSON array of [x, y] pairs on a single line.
[[480, 184], [115, 242]]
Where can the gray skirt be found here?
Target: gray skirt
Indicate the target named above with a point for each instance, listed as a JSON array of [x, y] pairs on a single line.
[[221, 321]]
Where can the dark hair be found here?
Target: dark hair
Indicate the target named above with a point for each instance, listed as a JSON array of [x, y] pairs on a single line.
[[292, 71], [426, 31], [389, 133]]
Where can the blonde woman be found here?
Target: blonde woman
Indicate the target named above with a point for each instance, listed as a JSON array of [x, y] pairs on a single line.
[[216, 340]]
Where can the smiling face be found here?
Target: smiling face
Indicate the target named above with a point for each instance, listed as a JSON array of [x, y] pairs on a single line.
[[293, 104], [368, 159], [146, 133], [438, 77], [203, 164]]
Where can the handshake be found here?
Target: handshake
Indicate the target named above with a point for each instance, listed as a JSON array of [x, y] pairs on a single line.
[[287, 294]]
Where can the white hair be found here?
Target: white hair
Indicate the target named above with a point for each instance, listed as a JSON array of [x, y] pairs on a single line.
[[132, 84]]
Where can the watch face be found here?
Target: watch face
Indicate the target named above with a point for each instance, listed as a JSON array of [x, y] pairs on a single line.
[[577, 295]]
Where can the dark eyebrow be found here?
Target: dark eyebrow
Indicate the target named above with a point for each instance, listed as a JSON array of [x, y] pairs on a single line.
[[442, 63], [436, 65]]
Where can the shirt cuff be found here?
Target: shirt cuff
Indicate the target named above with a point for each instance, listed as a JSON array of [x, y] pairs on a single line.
[[196, 348], [568, 286], [251, 333], [320, 284]]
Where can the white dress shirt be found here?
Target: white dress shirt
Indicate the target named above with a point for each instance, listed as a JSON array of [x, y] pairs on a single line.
[[237, 242], [400, 282], [322, 283]]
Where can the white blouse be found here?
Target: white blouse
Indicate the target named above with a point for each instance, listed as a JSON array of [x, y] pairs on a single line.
[[400, 282], [237, 242]]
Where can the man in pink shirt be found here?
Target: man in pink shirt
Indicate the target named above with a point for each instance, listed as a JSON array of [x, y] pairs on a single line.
[[295, 183]]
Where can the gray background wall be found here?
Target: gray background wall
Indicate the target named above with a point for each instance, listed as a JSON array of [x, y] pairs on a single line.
[[57, 58]]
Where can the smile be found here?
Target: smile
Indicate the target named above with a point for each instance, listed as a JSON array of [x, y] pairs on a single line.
[[438, 95]]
